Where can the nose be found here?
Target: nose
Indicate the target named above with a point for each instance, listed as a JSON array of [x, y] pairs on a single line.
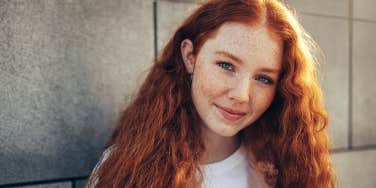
[[240, 90]]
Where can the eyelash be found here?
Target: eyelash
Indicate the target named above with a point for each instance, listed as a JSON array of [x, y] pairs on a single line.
[[221, 64], [230, 67], [266, 80]]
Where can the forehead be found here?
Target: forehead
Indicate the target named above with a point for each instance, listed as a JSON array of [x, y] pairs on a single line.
[[248, 42]]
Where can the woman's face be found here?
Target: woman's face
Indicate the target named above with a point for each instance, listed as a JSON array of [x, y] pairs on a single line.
[[235, 75]]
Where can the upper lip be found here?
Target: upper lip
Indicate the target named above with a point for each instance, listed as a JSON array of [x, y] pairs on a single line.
[[239, 112]]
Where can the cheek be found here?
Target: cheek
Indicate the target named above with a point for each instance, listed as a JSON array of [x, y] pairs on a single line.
[[209, 84], [265, 99]]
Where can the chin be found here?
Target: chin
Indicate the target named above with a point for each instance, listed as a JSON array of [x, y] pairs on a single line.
[[228, 133]]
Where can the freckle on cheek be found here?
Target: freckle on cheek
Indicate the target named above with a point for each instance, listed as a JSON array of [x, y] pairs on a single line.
[[208, 87]]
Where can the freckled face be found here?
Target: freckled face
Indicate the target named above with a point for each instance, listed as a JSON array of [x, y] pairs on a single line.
[[235, 77]]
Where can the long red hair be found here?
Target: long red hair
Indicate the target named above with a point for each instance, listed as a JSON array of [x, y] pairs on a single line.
[[157, 144]]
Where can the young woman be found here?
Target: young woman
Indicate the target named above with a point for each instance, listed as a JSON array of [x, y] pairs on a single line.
[[232, 101]]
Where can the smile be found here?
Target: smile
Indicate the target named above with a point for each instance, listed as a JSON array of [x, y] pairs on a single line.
[[229, 114]]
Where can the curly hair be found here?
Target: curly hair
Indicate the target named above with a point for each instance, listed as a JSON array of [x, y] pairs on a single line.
[[156, 142]]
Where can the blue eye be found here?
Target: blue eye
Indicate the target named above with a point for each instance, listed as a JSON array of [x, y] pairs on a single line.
[[226, 66], [265, 80]]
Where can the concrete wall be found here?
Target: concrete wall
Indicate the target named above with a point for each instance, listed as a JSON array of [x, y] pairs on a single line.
[[66, 69], [68, 66]]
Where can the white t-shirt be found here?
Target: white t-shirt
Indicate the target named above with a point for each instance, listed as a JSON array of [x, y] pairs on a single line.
[[233, 172]]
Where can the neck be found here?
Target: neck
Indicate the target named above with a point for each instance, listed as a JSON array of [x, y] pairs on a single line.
[[218, 147]]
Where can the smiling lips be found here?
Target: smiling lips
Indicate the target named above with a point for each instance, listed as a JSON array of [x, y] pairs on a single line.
[[229, 114]]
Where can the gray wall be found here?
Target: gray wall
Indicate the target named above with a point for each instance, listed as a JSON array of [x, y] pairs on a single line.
[[67, 67]]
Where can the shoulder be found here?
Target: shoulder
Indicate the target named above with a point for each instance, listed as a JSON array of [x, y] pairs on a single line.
[[105, 154], [262, 172]]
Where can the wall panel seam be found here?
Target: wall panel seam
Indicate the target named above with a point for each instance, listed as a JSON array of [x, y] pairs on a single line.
[[155, 28], [350, 111]]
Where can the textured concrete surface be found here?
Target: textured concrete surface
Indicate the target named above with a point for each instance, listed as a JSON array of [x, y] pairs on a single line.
[[169, 21], [183, 1], [48, 185], [66, 68], [334, 71], [322, 7], [364, 90], [364, 9], [356, 169]]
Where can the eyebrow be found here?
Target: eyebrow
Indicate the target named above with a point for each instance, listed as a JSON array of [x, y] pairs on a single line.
[[229, 55], [269, 70], [234, 58]]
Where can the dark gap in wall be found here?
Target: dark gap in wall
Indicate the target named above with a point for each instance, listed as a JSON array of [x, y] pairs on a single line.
[[325, 16], [155, 21], [338, 17], [350, 115], [353, 149], [81, 178], [339, 150], [73, 182], [61, 180], [364, 20]]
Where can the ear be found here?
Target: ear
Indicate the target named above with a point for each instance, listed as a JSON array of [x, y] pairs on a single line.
[[186, 49]]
